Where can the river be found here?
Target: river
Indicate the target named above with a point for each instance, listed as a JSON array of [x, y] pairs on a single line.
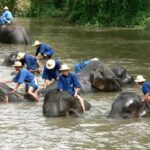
[[23, 126]]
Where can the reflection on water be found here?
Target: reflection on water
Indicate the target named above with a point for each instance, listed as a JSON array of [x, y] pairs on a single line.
[[23, 126]]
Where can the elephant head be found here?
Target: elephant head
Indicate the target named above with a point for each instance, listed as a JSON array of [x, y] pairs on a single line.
[[14, 34], [98, 76], [5, 91], [123, 75], [126, 105], [61, 104], [10, 60]]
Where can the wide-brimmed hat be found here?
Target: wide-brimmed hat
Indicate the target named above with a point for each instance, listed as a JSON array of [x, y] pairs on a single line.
[[36, 43], [94, 59], [50, 64], [17, 64], [64, 67], [140, 78], [20, 55], [5, 8]]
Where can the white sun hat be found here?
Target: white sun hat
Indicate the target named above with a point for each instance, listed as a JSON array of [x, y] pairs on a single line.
[[94, 59], [50, 64], [36, 43], [20, 55], [64, 67], [140, 78], [5, 8], [17, 64]]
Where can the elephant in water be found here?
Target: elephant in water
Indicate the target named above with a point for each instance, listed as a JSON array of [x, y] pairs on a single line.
[[14, 34], [129, 105], [7, 96], [96, 76], [123, 75], [10, 60], [62, 104]]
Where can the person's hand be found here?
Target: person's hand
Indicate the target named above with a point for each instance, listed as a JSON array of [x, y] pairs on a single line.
[[13, 91], [75, 95]]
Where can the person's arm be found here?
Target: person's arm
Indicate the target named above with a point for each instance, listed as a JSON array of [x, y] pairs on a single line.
[[76, 91], [15, 89], [60, 84], [76, 85], [147, 97], [7, 81]]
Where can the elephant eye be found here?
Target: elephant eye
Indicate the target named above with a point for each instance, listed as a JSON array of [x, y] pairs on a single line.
[[126, 110]]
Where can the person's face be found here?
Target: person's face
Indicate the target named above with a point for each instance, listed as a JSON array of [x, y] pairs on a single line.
[[17, 68], [65, 72], [37, 46]]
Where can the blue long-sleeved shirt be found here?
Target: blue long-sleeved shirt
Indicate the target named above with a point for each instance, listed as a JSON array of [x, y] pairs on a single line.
[[81, 65], [146, 87], [23, 76], [49, 74], [44, 49], [30, 61], [7, 16], [68, 83]]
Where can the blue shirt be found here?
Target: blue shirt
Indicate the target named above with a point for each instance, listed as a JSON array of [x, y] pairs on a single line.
[[68, 83], [7, 16], [81, 65], [146, 87], [30, 61], [49, 74], [23, 76], [44, 49]]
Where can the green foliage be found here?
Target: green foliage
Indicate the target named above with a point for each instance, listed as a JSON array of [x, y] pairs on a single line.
[[88, 12], [10, 3]]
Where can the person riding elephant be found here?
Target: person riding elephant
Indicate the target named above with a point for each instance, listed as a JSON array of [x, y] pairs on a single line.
[[43, 50], [24, 76], [62, 104], [141, 81], [6, 17], [69, 82]]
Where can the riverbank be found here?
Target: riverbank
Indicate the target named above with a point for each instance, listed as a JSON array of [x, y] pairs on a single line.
[[86, 12]]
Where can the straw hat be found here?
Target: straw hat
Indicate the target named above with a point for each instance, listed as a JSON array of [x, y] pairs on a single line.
[[5, 8], [17, 64], [64, 67], [36, 43], [50, 64], [20, 55], [140, 78], [94, 59]]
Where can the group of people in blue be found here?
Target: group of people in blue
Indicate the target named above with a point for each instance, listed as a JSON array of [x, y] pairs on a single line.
[[52, 70], [6, 17], [67, 81]]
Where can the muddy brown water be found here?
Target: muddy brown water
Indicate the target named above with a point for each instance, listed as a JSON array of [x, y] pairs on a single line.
[[23, 126]]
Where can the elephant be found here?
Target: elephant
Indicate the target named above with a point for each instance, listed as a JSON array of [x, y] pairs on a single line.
[[10, 60], [62, 104], [14, 34], [7, 96], [96, 76], [123, 75], [129, 105]]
